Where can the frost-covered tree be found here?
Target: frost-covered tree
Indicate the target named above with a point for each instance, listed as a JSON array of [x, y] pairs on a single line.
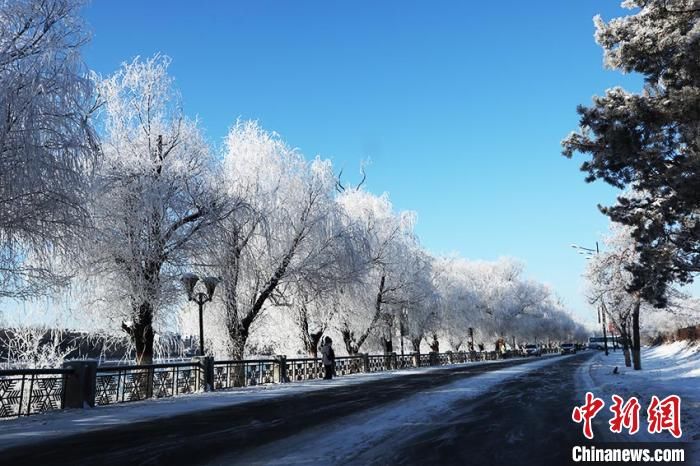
[[46, 141], [383, 240], [609, 282], [316, 299], [282, 232], [610, 286], [416, 298], [460, 300], [649, 142], [152, 197]]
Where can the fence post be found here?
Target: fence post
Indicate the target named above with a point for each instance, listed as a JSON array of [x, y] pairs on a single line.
[[434, 358], [79, 386], [450, 357], [365, 362], [415, 357], [206, 365], [281, 369], [394, 361]]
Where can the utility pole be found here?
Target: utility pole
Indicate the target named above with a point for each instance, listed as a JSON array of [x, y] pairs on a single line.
[[601, 307], [602, 312]]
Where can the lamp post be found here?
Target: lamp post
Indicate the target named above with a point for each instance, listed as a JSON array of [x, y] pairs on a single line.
[[402, 326], [189, 280], [601, 311]]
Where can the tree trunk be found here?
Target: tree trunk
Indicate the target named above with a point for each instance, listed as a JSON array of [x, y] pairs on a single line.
[[311, 343], [349, 340], [415, 342], [387, 345], [636, 344], [435, 345], [237, 333], [141, 333], [625, 345]]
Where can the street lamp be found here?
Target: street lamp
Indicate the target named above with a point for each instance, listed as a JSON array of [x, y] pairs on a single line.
[[189, 280], [601, 312], [402, 326]]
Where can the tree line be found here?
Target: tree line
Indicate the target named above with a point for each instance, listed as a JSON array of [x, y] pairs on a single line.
[[109, 190]]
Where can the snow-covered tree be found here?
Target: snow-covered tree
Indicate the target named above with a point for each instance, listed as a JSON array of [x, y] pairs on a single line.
[[460, 300], [383, 239], [281, 233], [609, 288], [152, 197], [46, 141], [649, 142]]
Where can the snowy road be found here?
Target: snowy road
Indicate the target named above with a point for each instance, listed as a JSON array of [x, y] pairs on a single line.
[[456, 415], [514, 415]]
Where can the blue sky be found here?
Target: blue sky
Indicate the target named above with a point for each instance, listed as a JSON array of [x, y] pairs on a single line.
[[460, 106]]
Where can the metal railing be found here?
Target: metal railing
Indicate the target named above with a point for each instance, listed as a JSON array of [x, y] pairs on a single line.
[[121, 384], [404, 361], [347, 365], [300, 369], [31, 391], [245, 373]]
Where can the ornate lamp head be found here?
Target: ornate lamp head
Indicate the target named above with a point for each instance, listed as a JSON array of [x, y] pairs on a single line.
[[189, 281], [210, 283]]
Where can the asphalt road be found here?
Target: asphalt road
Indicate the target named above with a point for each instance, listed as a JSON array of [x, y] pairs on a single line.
[[523, 421]]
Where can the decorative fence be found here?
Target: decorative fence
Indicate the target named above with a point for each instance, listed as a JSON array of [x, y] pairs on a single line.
[[120, 384], [348, 365], [30, 391], [24, 392], [304, 369], [231, 374]]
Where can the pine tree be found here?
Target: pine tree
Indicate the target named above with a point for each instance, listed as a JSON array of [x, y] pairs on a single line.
[[649, 142]]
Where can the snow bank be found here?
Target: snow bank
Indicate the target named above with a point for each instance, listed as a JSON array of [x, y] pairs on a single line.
[[671, 369]]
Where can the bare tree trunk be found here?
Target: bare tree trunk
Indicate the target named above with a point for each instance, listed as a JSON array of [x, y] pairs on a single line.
[[237, 330], [636, 344], [311, 343], [435, 344], [387, 345], [625, 345], [415, 342], [349, 340]]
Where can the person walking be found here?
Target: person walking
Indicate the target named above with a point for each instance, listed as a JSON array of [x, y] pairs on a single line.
[[328, 358]]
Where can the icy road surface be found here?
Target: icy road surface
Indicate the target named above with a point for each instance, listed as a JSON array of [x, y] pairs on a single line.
[[513, 415]]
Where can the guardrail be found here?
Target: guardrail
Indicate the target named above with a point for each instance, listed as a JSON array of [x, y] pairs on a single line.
[[82, 383], [245, 373], [31, 391], [121, 384]]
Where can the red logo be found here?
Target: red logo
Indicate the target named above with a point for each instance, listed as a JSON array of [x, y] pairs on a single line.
[[662, 415], [587, 412], [625, 415], [665, 415]]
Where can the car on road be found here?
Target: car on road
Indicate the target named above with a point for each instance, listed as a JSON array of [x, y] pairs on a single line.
[[532, 350], [567, 348]]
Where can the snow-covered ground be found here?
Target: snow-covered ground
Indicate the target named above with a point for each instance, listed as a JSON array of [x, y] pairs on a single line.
[[54, 424], [671, 369]]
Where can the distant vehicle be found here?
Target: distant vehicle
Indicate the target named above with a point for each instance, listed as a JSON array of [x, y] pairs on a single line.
[[599, 342], [532, 350], [567, 348]]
